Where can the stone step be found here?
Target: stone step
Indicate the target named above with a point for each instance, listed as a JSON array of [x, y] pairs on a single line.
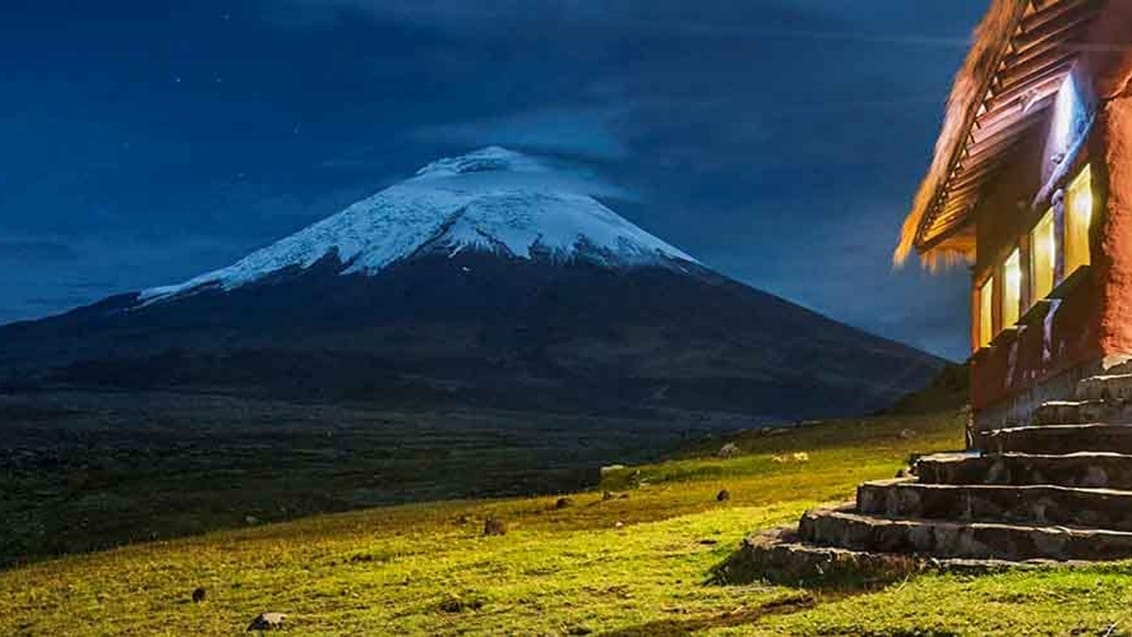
[[1057, 439], [1115, 388], [1070, 412], [1039, 505], [779, 556], [1085, 469], [974, 540]]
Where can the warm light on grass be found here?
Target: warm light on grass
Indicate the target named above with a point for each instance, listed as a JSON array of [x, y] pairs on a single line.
[[636, 564], [393, 571]]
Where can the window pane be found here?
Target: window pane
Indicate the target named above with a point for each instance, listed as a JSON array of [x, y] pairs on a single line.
[[1011, 289], [1078, 218], [1043, 257], [986, 312]]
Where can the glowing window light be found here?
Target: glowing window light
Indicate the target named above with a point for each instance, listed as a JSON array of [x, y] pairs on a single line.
[[986, 312], [1011, 288], [1043, 257], [1065, 114], [1079, 204]]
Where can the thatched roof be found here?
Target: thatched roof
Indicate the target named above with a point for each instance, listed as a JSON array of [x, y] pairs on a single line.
[[1019, 58]]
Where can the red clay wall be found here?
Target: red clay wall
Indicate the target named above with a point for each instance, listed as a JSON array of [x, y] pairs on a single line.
[[1053, 343], [1115, 261], [1109, 68]]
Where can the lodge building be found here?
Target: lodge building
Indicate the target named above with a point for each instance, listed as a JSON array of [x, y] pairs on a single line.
[[1031, 185]]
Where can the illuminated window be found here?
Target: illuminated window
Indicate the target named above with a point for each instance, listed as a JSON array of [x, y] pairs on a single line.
[[1043, 257], [986, 312], [1078, 218], [1065, 114], [1011, 288]]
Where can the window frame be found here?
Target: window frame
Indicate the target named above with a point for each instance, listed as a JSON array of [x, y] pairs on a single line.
[[986, 329], [1077, 223], [1010, 301], [1028, 275], [1043, 276]]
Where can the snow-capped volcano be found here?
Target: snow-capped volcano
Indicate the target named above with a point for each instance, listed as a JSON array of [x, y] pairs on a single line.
[[492, 200], [491, 279]]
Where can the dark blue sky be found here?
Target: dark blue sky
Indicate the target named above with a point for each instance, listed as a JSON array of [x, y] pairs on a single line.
[[779, 141]]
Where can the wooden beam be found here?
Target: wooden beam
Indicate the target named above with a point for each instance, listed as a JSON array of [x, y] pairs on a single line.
[[1057, 36], [1022, 73], [1039, 86], [975, 182], [992, 140], [942, 234], [954, 214], [1007, 113], [977, 161], [1053, 11], [1006, 121], [968, 124], [1028, 57], [1031, 67]]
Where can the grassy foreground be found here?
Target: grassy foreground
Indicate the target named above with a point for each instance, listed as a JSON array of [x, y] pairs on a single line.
[[636, 565]]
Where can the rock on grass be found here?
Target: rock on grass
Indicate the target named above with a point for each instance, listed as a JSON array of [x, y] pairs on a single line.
[[729, 450], [267, 621], [453, 604]]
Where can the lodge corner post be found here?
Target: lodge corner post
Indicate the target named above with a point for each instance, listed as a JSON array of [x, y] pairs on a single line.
[[1108, 64], [1114, 247], [1031, 186]]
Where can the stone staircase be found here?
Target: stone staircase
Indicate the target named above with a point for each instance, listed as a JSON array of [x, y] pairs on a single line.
[[1057, 490]]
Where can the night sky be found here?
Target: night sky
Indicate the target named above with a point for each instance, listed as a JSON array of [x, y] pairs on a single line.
[[779, 141]]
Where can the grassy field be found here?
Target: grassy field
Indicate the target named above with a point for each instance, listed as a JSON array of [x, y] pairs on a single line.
[[634, 564], [84, 471]]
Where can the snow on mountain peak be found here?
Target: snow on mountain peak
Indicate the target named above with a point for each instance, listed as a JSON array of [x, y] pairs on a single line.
[[489, 159], [490, 200]]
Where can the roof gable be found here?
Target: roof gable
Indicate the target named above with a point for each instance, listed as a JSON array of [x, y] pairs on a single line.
[[1022, 52]]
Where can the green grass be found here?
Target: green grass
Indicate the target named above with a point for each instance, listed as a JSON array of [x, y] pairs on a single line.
[[87, 471], [623, 566]]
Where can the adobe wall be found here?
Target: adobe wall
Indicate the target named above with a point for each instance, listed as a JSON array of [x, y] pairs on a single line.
[[1114, 261], [1108, 64]]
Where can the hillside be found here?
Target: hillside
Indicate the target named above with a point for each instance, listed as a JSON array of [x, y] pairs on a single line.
[[637, 565]]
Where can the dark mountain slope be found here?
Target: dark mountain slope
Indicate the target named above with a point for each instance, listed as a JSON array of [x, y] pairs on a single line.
[[480, 329]]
